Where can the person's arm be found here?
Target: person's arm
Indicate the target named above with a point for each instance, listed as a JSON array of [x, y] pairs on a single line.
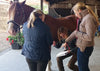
[[58, 44], [90, 27], [71, 37]]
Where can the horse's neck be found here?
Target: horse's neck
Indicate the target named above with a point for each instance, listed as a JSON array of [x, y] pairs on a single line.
[[27, 11]]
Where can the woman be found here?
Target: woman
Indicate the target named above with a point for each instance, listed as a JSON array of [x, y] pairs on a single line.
[[85, 35], [37, 42], [70, 50]]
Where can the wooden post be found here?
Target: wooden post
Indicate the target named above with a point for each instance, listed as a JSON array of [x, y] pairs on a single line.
[[96, 10], [48, 8], [41, 5]]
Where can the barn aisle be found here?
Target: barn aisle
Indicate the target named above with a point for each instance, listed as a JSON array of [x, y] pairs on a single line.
[[12, 60]]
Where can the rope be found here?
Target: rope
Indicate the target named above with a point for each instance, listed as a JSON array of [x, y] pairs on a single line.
[[68, 46]]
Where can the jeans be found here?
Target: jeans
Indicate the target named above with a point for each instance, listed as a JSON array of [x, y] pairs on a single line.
[[71, 63], [36, 65], [83, 58]]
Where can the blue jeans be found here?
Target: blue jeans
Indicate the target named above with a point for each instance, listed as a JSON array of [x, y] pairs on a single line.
[[83, 58]]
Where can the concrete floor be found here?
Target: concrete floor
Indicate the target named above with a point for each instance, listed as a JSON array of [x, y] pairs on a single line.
[[12, 60]]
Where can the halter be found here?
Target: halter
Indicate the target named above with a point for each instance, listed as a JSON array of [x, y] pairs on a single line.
[[12, 21], [15, 23]]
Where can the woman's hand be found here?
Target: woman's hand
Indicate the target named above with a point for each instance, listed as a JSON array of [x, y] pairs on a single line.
[[69, 51], [54, 43]]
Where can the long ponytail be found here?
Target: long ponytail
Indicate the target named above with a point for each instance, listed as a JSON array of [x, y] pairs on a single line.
[[91, 11], [82, 6], [31, 20]]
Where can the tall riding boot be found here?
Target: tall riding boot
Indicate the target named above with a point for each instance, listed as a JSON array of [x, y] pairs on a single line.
[[60, 64]]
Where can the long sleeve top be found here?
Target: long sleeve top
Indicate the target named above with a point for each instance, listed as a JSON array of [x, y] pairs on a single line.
[[85, 35]]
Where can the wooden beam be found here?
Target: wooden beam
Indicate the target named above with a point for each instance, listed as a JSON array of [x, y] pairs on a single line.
[[41, 5], [16, 0]]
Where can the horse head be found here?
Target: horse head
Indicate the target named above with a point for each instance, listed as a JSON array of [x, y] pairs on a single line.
[[18, 14]]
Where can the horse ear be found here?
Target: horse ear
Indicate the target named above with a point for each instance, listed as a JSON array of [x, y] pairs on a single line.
[[23, 2], [11, 2]]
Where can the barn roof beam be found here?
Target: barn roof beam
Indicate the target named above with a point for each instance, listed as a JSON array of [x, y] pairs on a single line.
[[16, 0], [54, 1]]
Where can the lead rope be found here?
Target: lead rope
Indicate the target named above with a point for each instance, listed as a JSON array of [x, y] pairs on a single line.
[[76, 37], [68, 46], [77, 24]]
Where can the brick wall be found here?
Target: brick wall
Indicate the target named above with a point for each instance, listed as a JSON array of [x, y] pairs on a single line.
[[3, 16]]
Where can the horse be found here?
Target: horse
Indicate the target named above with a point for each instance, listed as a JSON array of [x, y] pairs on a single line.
[[19, 13]]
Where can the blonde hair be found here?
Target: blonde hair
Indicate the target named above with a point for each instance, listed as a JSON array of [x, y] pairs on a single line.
[[62, 30], [34, 14], [82, 6]]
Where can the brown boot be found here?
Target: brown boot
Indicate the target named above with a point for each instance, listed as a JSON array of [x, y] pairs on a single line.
[[60, 64]]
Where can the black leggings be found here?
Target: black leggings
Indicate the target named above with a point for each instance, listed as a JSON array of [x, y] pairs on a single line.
[[36, 65]]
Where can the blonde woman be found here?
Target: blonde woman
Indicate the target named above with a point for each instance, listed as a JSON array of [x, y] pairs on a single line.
[[85, 35], [37, 42]]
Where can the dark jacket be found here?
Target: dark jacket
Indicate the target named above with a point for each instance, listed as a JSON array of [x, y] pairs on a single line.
[[37, 41], [71, 45]]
